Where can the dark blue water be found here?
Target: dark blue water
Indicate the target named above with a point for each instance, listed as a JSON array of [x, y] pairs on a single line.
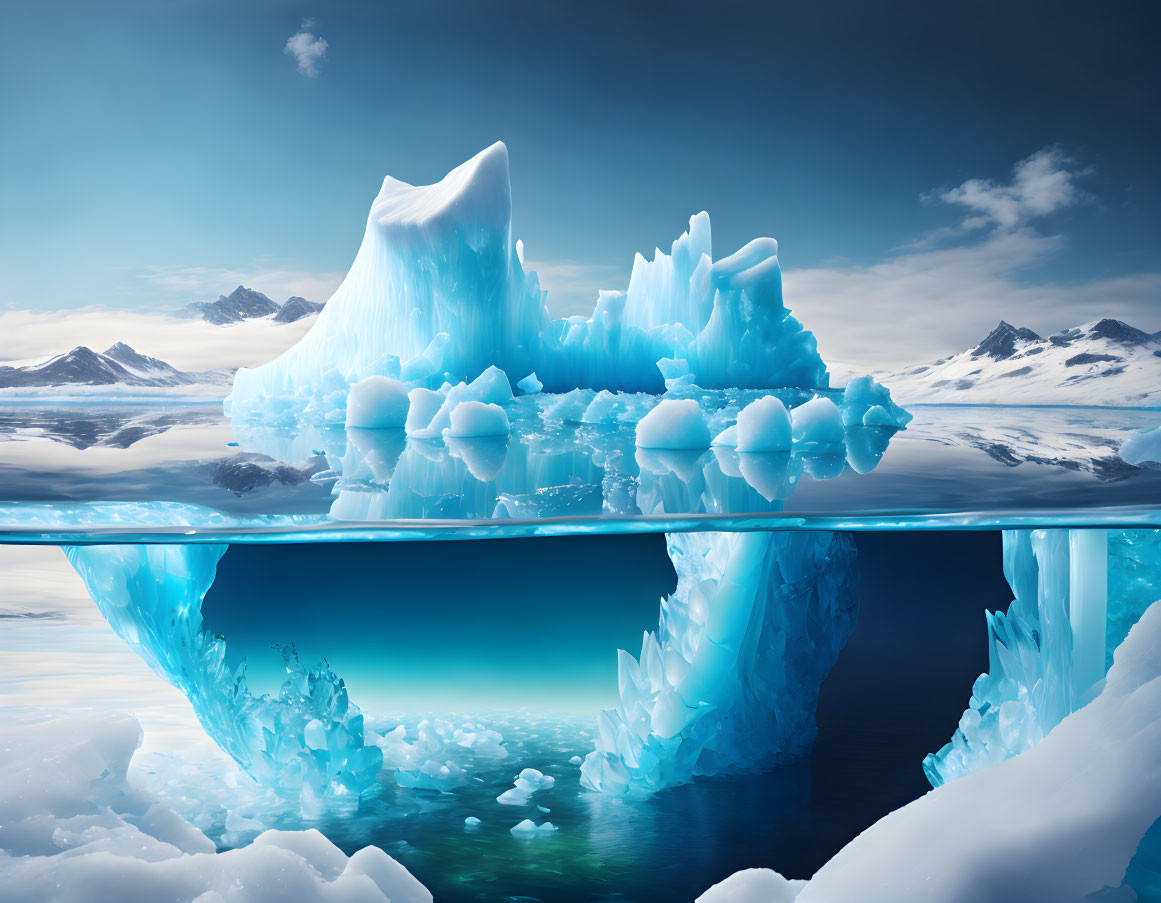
[[536, 617]]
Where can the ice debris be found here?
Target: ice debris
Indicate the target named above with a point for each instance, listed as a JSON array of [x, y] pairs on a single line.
[[528, 782], [441, 756], [378, 402], [1143, 449], [529, 828], [472, 822], [475, 419], [673, 424], [763, 426], [818, 422], [530, 385]]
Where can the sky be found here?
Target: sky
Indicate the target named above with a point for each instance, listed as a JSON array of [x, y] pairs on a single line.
[[927, 168]]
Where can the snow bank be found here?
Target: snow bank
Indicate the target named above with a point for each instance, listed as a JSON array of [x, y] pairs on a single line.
[[1059, 822], [72, 828]]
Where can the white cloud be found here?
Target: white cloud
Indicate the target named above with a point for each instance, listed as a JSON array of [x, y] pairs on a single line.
[[923, 304], [1041, 185], [307, 49], [202, 283], [573, 286], [189, 344]]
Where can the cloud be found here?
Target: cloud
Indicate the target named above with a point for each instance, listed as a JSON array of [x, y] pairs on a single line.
[[307, 49], [202, 283], [189, 344], [573, 286], [1042, 184], [923, 304]]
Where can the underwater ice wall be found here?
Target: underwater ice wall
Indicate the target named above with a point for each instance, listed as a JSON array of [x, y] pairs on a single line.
[[438, 293], [307, 743], [729, 682], [1029, 686]]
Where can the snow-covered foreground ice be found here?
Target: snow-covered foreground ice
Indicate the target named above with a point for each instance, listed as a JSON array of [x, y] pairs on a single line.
[[73, 830], [1060, 822]]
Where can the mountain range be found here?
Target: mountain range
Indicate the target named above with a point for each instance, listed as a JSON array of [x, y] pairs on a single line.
[[246, 304], [1103, 362], [117, 365]]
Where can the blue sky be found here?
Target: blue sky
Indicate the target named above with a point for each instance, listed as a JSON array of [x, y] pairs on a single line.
[[155, 154]]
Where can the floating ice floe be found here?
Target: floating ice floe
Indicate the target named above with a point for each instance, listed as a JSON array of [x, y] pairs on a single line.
[[528, 782], [529, 828]]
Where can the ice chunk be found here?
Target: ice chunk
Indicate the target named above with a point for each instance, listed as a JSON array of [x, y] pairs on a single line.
[[530, 385], [673, 424], [471, 822], [528, 782], [764, 426], [475, 419], [378, 402], [569, 407], [575, 760], [727, 438], [818, 422], [862, 395], [529, 828], [424, 404], [1143, 449]]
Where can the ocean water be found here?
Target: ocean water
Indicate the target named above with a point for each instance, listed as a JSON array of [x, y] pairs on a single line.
[[895, 694]]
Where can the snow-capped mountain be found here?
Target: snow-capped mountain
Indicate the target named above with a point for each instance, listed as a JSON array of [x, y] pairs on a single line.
[[1104, 362], [246, 304], [119, 364], [119, 370]]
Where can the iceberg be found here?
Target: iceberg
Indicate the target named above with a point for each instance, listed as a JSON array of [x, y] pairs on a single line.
[[438, 293], [1034, 647], [307, 743], [730, 680]]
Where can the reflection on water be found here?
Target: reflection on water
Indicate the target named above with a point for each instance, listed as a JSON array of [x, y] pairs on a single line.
[[976, 464]]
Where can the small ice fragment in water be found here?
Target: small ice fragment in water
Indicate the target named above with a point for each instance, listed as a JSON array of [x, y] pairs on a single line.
[[1143, 449], [529, 828], [471, 822], [575, 760], [764, 426], [378, 402], [818, 422], [528, 782], [674, 424], [475, 419], [530, 385]]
